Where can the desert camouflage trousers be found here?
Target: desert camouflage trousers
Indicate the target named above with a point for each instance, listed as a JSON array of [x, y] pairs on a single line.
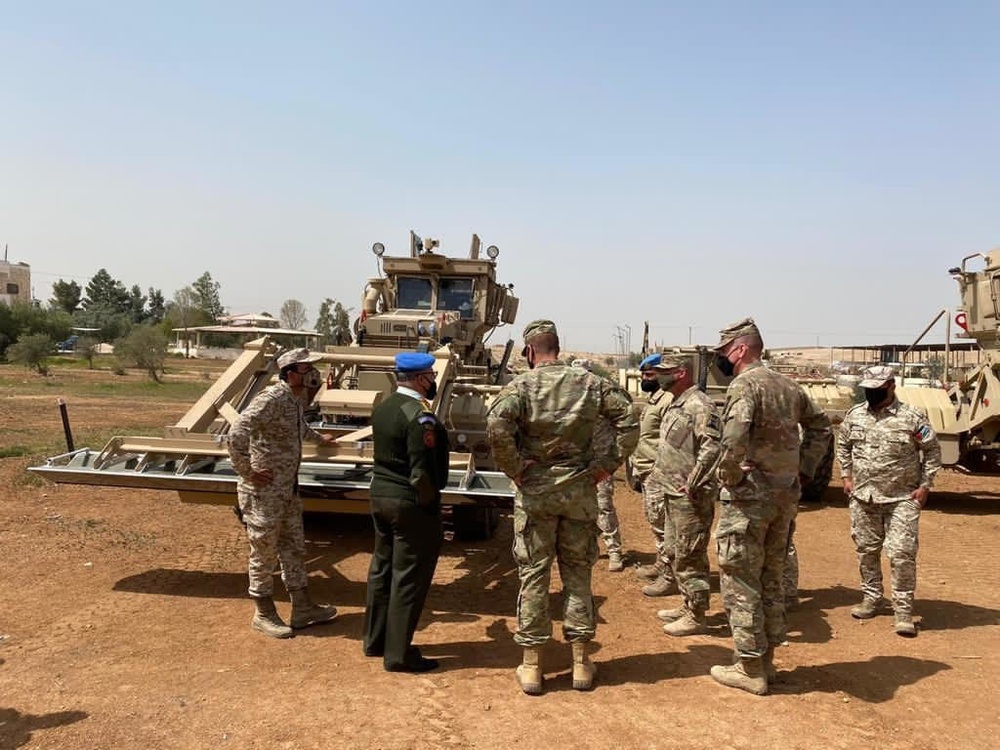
[[691, 522], [790, 578], [752, 538], [893, 525], [273, 516], [654, 500], [560, 527], [607, 518]]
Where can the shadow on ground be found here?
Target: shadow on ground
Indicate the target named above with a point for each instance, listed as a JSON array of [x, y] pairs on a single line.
[[17, 728]]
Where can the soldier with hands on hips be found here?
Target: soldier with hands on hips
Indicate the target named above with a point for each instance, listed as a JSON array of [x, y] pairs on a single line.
[[541, 427]]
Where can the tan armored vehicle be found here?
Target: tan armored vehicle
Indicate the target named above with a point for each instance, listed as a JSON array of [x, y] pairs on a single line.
[[424, 301]]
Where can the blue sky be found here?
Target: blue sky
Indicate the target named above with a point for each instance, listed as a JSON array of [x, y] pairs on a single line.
[[818, 166]]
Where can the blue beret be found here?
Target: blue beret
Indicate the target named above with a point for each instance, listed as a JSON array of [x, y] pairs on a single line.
[[407, 362], [651, 361]]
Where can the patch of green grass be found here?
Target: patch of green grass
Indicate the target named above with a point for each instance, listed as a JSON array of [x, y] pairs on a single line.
[[14, 451]]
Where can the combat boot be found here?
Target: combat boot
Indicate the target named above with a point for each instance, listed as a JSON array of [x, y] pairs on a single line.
[[669, 615], [649, 573], [529, 673], [904, 626], [306, 613], [665, 585], [746, 674], [691, 623], [266, 620], [584, 670], [616, 564], [867, 609]]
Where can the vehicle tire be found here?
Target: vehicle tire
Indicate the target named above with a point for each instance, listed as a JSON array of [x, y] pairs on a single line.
[[475, 522], [813, 491]]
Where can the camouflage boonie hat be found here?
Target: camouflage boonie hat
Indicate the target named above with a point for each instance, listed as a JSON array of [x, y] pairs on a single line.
[[297, 356], [737, 330], [671, 361], [876, 377], [537, 328]]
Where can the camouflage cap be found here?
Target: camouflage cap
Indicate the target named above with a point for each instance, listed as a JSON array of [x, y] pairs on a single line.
[[537, 328], [737, 330], [877, 376], [297, 356], [672, 361]]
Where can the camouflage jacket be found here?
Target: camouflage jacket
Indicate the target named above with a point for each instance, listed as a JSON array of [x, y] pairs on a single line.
[[649, 433], [542, 426], [760, 429], [269, 434], [689, 444], [889, 453]]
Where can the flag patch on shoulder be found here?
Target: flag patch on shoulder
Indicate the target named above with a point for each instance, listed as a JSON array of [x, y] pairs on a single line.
[[923, 433]]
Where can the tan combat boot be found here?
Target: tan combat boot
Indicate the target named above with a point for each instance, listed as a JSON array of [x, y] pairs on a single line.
[[867, 609], [529, 673], [690, 623], [904, 625], [649, 573], [669, 615], [584, 669], [266, 620], [306, 613], [665, 585], [746, 674], [615, 562]]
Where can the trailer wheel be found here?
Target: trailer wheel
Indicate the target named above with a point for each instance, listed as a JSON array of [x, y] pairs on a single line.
[[474, 522]]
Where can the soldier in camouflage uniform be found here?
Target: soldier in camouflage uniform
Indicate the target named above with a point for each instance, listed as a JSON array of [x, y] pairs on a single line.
[[688, 450], [265, 446], [659, 577], [541, 427], [607, 515], [759, 467], [888, 454]]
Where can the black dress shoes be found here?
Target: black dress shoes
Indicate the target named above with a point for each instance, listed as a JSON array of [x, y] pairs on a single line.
[[417, 665]]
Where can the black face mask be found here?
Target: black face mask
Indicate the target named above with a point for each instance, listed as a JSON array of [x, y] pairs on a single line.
[[876, 396], [726, 367], [649, 386], [432, 390]]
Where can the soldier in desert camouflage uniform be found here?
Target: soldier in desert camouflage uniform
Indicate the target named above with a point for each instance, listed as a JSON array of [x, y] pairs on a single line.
[[688, 450], [265, 446], [541, 427], [659, 577], [759, 467], [888, 456], [607, 515]]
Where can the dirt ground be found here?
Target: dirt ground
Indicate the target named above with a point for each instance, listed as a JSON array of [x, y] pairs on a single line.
[[125, 624]]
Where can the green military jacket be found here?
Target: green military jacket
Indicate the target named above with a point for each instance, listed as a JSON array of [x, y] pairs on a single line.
[[411, 451]]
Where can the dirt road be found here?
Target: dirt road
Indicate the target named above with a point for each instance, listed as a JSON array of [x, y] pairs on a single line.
[[125, 625]]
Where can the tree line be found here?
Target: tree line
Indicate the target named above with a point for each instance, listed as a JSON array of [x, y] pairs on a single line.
[[138, 323]]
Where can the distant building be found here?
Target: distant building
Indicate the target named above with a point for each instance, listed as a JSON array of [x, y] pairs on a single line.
[[15, 282]]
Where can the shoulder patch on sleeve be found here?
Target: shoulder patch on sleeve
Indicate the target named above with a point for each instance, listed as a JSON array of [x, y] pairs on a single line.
[[923, 433], [427, 419], [714, 422]]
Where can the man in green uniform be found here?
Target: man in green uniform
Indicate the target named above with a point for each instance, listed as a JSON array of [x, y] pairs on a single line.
[[411, 469], [541, 428], [760, 463], [686, 456]]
